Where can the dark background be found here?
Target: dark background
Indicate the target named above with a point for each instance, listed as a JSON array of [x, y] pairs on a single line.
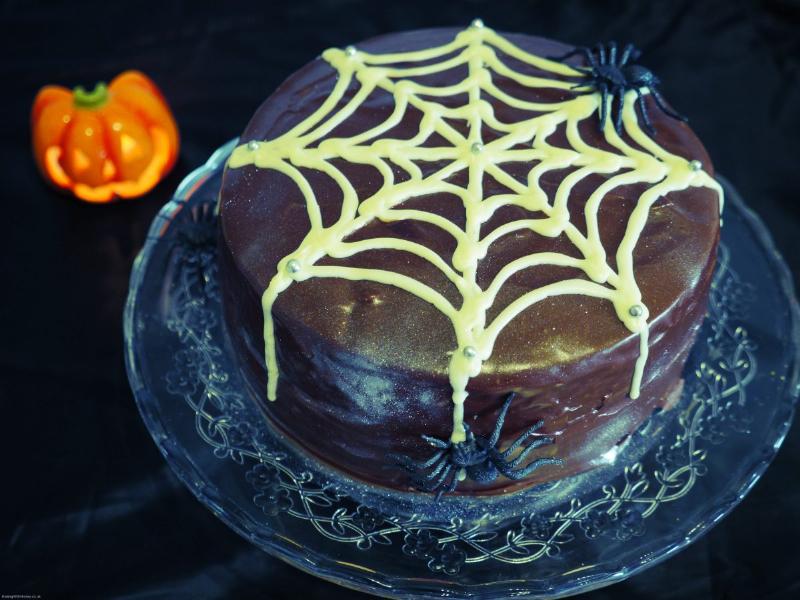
[[88, 507]]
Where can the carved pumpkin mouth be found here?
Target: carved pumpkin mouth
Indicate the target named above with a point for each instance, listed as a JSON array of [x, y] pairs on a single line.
[[149, 177]]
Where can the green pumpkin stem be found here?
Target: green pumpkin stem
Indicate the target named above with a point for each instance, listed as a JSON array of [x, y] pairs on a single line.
[[94, 99]]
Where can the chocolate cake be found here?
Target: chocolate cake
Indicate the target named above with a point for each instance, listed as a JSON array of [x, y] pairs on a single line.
[[462, 261]]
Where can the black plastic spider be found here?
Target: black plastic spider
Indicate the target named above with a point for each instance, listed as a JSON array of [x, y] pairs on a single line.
[[613, 76], [199, 230], [478, 457]]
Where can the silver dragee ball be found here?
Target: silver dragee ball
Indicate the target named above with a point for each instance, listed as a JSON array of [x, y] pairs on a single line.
[[293, 266]]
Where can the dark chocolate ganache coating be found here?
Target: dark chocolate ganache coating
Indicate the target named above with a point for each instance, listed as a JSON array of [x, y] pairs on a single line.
[[364, 366]]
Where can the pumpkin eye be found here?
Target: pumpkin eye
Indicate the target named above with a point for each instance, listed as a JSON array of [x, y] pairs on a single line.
[[80, 162], [130, 149], [109, 170]]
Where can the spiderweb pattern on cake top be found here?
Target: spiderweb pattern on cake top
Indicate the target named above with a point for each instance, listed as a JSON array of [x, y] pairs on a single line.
[[311, 145]]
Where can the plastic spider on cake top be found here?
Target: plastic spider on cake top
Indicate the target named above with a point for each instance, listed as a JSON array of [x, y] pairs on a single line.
[[477, 458], [612, 75]]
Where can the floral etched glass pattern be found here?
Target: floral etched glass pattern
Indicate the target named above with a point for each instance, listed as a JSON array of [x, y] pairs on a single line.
[[672, 480]]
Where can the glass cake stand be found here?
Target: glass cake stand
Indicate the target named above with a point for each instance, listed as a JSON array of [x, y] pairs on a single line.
[[670, 483]]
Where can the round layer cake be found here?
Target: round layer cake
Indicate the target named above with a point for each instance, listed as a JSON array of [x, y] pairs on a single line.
[[432, 228]]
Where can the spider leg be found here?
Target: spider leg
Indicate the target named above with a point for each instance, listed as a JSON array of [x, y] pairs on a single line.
[[397, 460], [436, 442], [603, 102], [587, 92], [645, 115], [528, 449], [523, 473], [501, 418], [410, 465], [436, 470], [538, 443], [563, 57], [442, 476], [612, 53], [620, 106], [663, 105], [431, 460], [451, 487], [629, 52], [586, 77], [584, 81], [583, 51], [587, 53], [518, 442], [601, 54], [437, 485]]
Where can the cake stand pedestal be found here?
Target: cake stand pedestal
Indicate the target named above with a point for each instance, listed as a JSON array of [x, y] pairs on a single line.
[[676, 477]]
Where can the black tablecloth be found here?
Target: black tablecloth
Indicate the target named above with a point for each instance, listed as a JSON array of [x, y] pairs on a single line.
[[89, 507]]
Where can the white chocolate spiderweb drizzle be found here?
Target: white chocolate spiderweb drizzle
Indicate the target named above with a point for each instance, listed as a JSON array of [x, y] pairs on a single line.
[[308, 145]]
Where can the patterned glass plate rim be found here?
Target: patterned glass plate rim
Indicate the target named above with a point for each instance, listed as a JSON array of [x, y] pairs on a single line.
[[676, 477]]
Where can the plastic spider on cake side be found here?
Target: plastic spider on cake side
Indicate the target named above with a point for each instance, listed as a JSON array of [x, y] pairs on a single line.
[[612, 75], [477, 458]]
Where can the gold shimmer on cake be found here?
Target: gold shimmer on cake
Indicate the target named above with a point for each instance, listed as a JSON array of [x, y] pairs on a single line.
[[308, 145]]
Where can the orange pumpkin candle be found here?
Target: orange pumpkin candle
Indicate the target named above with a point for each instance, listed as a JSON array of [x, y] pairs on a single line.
[[116, 141]]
